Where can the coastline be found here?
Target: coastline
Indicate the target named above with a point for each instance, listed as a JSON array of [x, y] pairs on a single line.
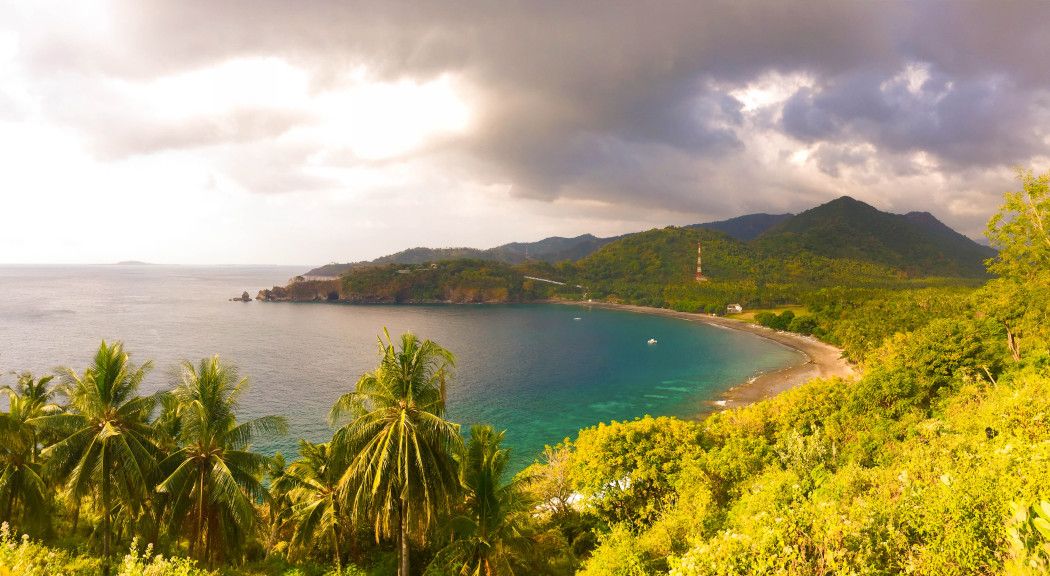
[[820, 360]]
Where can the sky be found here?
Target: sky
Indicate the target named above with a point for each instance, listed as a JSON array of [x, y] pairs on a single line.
[[307, 132]]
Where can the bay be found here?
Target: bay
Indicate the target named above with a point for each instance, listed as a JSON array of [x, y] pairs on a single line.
[[539, 371]]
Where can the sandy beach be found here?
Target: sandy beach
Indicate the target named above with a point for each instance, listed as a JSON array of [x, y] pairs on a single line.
[[820, 360]]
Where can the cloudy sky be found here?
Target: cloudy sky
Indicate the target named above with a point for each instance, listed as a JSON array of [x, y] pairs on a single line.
[[307, 132]]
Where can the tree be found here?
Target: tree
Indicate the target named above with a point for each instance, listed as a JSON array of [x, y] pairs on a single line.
[[1019, 298], [401, 472], [279, 506], [550, 479], [490, 530], [216, 478], [107, 443], [625, 471], [20, 471], [1021, 230], [312, 486]]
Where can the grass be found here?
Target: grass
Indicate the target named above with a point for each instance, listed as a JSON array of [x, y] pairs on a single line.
[[749, 315]]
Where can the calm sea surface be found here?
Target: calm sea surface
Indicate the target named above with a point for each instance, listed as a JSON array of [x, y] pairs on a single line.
[[541, 372]]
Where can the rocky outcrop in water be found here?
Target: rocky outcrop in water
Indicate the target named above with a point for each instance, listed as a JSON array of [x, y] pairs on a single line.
[[244, 297]]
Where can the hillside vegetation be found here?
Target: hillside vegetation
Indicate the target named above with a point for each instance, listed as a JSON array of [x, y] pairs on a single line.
[[746, 227], [549, 250], [826, 245], [848, 228], [455, 281], [787, 259], [933, 461]]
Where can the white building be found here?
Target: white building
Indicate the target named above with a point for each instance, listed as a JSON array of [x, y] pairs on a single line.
[[734, 309]]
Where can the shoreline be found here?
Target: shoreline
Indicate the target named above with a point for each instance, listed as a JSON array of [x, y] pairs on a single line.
[[820, 360]]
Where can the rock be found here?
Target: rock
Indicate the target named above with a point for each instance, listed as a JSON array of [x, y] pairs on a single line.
[[244, 297]]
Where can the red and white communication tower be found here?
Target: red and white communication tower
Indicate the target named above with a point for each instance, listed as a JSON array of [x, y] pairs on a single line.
[[700, 263]]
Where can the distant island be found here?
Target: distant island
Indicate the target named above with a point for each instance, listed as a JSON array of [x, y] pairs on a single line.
[[133, 263]]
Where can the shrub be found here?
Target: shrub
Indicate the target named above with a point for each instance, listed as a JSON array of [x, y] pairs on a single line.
[[24, 557], [149, 565]]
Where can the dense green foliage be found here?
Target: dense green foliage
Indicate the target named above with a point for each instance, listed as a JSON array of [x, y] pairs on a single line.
[[462, 281], [655, 268], [746, 227], [214, 477], [841, 243], [849, 229], [400, 472], [490, 528], [916, 243], [550, 250], [933, 461]]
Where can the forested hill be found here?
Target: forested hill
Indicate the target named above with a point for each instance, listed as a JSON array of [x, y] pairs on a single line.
[[913, 245], [747, 227], [552, 249], [916, 243]]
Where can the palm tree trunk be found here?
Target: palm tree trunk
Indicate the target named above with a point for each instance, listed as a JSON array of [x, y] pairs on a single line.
[[154, 531], [335, 537], [207, 543], [76, 516], [338, 553], [402, 520], [199, 535], [105, 510], [9, 511]]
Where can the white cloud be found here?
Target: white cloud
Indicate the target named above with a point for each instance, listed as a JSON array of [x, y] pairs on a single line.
[[222, 132]]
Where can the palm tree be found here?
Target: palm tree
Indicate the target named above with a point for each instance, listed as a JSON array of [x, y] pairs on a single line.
[[107, 443], [155, 505], [490, 531], [20, 473], [312, 486], [216, 478], [400, 449], [279, 506]]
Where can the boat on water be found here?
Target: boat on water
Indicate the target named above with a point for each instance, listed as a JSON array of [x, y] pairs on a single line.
[[652, 340]]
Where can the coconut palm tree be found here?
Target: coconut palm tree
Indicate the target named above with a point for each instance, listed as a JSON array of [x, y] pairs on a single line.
[[401, 473], [312, 486], [20, 474], [216, 478], [489, 532], [154, 516], [106, 446]]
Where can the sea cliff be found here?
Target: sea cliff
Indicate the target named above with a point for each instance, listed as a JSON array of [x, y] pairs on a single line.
[[451, 282]]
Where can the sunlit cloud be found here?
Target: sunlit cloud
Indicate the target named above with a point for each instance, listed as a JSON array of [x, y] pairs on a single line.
[[352, 131]]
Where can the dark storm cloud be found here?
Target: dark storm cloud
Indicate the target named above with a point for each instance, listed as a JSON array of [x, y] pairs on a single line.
[[625, 102], [985, 120]]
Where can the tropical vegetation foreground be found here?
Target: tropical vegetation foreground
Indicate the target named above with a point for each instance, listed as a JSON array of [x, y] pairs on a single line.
[[935, 461]]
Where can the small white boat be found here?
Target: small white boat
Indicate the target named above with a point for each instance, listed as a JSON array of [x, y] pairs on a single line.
[[652, 340], [576, 318]]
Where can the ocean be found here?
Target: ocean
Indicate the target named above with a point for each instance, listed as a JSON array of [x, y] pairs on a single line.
[[539, 371]]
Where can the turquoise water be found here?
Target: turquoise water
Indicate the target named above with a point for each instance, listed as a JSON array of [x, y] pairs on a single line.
[[534, 370]]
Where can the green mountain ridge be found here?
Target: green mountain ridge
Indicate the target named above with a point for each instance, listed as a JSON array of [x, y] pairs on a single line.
[[916, 244], [746, 227], [552, 249]]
